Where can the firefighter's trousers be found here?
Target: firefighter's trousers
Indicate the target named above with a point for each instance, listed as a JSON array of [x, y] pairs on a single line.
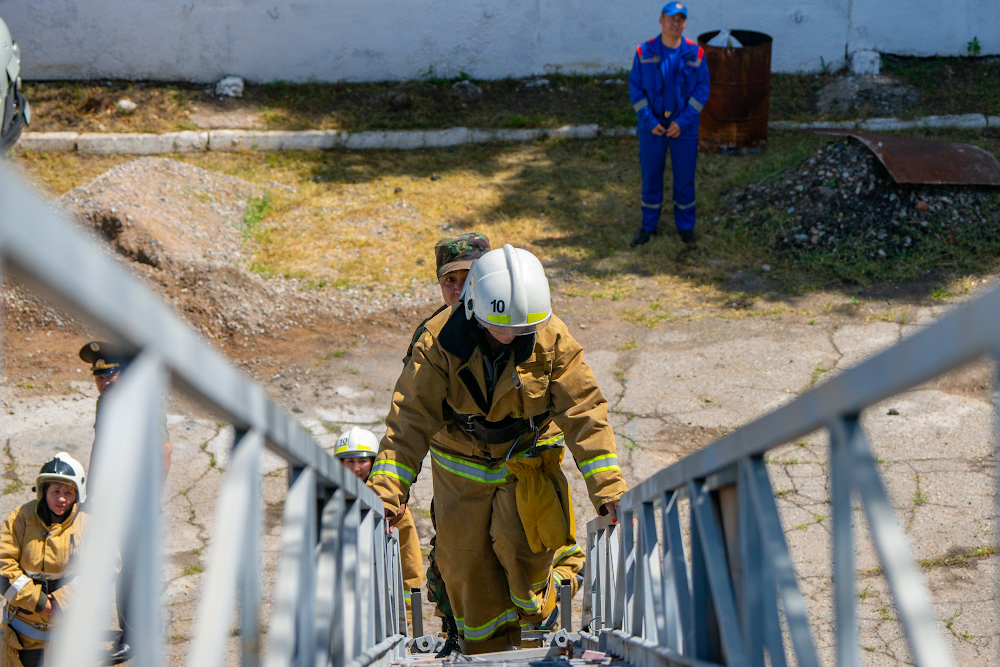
[[410, 560], [495, 582]]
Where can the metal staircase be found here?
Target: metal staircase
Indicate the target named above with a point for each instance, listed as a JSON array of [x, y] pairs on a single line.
[[724, 594]]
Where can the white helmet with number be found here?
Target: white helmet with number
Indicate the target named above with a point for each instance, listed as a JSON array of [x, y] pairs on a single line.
[[62, 468], [15, 113], [356, 442], [508, 293]]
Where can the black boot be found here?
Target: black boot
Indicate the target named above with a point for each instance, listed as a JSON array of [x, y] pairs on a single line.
[[451, 644], [121, 653], [641, 236], [687, 235]]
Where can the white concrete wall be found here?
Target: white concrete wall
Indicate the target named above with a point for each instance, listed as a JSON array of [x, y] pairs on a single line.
[[370, 40]]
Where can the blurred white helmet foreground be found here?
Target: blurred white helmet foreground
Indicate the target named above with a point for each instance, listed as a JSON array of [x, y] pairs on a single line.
[[508, 293], [62, 468], [15, 113], [356, 442]]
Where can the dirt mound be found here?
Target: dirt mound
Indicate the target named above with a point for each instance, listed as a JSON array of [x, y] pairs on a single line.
[[181, 228], [841, 202]]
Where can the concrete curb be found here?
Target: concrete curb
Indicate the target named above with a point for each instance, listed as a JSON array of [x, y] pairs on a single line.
[[969, 121], [111, 143]]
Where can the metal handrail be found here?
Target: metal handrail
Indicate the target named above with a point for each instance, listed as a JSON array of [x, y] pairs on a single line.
[[715, 600], [338, 597]]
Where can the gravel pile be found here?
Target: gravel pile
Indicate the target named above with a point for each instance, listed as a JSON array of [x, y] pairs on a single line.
[[842, 201], [181, 229]]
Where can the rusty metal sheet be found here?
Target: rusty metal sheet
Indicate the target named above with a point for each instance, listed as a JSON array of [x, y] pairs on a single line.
[[926, 161]]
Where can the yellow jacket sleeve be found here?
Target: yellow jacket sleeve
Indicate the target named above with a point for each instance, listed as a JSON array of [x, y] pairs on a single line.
[[580, 410], [20, 590], [415, 416]]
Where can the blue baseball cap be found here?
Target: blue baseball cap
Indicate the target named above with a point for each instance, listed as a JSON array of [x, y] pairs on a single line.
[[672, 8]]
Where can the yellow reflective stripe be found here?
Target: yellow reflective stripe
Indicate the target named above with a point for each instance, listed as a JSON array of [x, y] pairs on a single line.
[[498, 319], [599, 464], [536, 317], [394, 469], [544, 582], [562, 552], [483, 631], [551, 441], [528, 605], [597, 470], [468, 470]]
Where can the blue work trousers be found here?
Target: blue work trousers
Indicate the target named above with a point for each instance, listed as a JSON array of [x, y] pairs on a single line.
[[652, 160]]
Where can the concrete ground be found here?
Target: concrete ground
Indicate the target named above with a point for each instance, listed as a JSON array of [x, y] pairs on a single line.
[[671, 389]]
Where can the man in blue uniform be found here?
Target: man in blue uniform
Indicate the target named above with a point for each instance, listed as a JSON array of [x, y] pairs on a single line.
[[668, 86]]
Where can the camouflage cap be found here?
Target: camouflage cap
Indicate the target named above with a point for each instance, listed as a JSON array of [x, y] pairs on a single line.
[[454, 253]]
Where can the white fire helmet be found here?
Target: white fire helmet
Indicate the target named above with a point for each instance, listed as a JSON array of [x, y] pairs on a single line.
[[508, 293], [15, 113], [356, 442], [62, 468]]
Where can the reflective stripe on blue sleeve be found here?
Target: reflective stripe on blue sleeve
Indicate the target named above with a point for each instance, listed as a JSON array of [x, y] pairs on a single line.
[[695, 104], [640, 104]]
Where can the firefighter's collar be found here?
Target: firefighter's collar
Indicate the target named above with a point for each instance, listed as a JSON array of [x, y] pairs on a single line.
[[459, 338]]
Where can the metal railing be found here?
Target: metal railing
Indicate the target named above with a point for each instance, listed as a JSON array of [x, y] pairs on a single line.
[[338, 596], [654, 600]]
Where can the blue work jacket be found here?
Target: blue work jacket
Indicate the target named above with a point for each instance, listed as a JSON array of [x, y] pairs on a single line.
[[648, 85]]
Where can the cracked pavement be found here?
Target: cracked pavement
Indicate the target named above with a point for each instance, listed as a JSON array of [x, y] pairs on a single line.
[[671, 389]]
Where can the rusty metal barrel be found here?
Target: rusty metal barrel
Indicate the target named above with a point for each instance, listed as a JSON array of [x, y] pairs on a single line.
[[735, 118]]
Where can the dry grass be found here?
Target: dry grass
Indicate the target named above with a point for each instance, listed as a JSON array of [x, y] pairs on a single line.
[[336, 218]]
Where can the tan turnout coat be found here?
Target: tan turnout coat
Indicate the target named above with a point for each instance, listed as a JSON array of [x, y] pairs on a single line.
[[546, 376], [30, 550]]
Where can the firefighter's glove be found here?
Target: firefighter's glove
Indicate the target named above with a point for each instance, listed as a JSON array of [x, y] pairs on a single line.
[[552, 465], [538, 505]]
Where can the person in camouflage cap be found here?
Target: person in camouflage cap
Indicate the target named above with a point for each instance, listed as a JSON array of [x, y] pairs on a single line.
[[454, 255]]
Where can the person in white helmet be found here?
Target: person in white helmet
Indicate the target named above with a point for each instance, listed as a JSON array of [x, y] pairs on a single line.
[[356, 449], [38, 540], [495, 387]]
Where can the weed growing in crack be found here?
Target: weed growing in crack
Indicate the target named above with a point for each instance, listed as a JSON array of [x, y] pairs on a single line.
[[627, 345], [863, 595], [919, 498], [817, 371], [951, 621], [14, 486], [193, 568], [885, 613]]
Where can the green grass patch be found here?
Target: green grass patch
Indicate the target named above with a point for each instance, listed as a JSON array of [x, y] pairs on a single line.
[[253, 215]]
